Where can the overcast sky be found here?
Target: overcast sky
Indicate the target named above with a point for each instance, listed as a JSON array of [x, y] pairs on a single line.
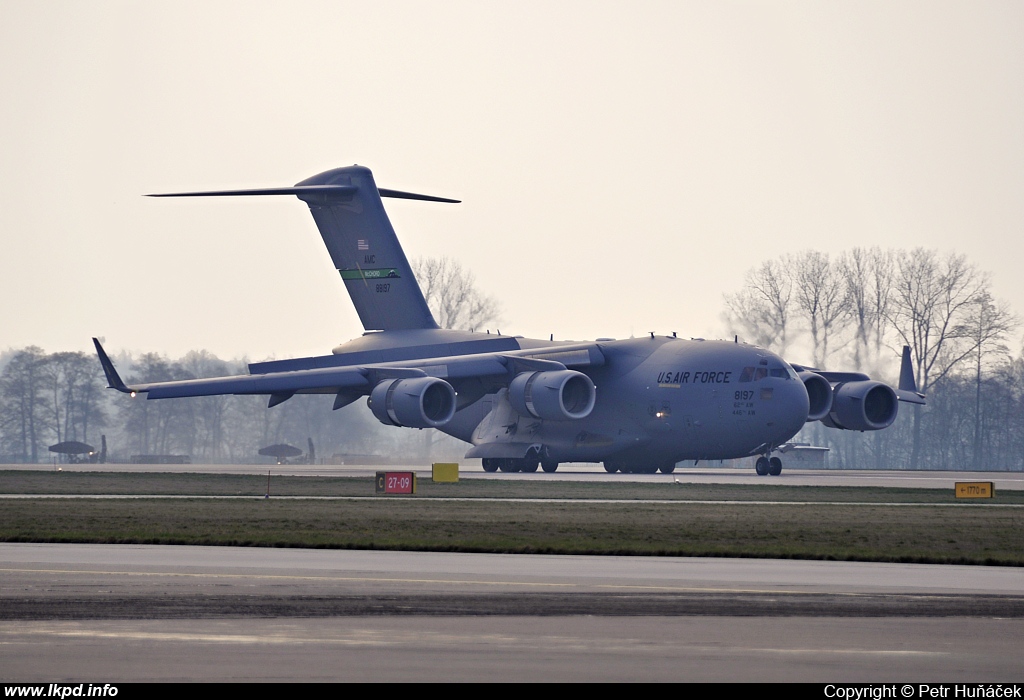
[[621, 164]]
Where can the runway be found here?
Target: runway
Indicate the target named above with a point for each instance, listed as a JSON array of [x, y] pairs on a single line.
[[107, 613], [589, 472]]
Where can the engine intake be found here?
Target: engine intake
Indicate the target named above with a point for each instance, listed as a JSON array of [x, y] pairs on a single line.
[[559, 395], [421, 402], [864, 405], [819, 393]]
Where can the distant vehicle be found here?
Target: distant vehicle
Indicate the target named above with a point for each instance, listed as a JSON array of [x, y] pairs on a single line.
[[636, 405]]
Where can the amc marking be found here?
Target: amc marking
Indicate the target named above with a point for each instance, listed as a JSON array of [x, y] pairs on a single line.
[[381, 273]]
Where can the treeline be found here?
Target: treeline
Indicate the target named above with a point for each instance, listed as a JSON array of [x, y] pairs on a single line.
[[851, 312], [50, 398], [856, 311]]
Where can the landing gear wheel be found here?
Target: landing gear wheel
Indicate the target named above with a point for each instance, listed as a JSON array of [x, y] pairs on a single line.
[[530, 462], [667, 468], [610, 467], [548, 466], [508, 465], [490, 464], [775, 466], [761, 466]]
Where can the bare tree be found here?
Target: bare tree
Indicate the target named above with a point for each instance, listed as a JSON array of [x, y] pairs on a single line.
[[73, 394], [22, 404], [158, 427], [931, 303], [761, 311], [209, 411], [452, 295], [987, 328], [821, 296], [868, 276], [454, 300]]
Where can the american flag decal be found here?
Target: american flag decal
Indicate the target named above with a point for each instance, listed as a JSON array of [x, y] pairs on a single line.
[[361, 244]]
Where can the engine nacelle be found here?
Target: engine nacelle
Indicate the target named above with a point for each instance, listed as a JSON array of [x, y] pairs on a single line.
[[559, 395], [819, 393], [420, 402], [864, 405]]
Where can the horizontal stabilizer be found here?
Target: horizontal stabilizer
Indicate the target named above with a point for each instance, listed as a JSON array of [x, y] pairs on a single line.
[[395, 194], [299, 190]]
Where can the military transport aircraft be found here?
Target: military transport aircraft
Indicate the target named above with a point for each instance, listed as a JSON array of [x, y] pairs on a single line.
[[637, 405]]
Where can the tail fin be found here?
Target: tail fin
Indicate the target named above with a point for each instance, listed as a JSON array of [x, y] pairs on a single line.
[[347, 208]]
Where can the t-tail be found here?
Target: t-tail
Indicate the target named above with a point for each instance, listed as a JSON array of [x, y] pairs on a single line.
[[346, 205]]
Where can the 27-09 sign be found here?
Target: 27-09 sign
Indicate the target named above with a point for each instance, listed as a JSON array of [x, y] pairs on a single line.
[[396, 482]]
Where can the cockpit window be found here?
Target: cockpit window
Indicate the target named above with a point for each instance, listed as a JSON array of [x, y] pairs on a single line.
[[756, 374]]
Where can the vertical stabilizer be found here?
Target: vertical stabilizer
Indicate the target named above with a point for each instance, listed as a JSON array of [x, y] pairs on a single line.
[[365, 249]]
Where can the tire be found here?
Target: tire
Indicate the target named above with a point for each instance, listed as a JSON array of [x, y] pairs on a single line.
[[529, 464], [667, 468], [762, 466], [490, 464], [610, 467], [774, 466], [548, 466]]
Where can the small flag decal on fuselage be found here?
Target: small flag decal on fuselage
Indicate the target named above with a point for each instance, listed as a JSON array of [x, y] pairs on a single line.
[[362, 244]]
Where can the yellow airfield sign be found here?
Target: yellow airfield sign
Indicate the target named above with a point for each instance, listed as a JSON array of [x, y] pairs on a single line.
[[975, 489]]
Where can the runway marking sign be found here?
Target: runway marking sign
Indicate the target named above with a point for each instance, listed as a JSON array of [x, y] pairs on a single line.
[[396, 482], [975, 489]]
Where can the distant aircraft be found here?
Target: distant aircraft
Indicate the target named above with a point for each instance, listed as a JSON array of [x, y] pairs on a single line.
[[636, 405]]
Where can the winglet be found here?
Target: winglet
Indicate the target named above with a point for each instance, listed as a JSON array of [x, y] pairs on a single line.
[[907, 390], [113, 379]]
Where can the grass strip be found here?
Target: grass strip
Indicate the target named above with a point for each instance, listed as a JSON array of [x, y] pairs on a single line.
[[865, 533], [144, 483]]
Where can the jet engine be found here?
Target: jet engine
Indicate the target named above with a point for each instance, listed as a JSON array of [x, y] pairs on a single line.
[[819, 392], [420, 402], [558, 395], [864, 405]]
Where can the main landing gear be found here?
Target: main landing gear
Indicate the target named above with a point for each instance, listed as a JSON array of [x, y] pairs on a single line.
[[765, 466], [530, 463]]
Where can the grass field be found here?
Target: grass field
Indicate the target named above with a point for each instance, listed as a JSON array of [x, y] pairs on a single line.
[[801, 522]]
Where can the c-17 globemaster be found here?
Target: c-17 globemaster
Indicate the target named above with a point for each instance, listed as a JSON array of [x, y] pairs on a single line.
[[637, 405]]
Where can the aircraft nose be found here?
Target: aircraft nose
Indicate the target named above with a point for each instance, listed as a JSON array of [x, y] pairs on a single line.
[[791, 409]]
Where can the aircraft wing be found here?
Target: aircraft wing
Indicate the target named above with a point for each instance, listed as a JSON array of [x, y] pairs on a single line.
[[353, 381]]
